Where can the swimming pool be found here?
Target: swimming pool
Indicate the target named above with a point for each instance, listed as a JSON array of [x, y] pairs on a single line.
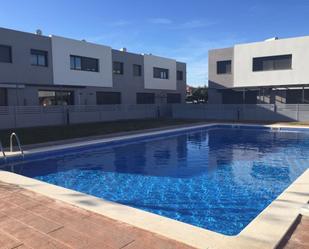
[[218, 178]]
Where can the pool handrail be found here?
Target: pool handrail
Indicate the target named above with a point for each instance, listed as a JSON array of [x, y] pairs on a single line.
[[2, 150], [18, 143]]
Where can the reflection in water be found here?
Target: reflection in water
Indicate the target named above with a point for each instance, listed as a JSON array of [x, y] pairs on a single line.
[[218, 179]]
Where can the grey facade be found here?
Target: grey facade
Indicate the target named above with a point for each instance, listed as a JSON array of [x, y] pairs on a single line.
[[20, 70], [21, 82], [268, 72]]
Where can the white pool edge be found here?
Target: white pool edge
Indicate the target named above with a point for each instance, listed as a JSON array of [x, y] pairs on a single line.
[[265, 231], [142, 134]]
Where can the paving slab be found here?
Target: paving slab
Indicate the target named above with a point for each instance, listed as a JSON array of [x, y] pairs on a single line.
[[30, 220]]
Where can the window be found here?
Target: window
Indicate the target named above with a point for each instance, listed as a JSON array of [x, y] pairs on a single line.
[[269, 63], [179, 75], [3, 97], [38, 58], [160, 73], [84, 63], [173, 98], [5, 54], [224, 67], [145, 98], [108, 98], [47, 98], [117, 67], [137, 70]]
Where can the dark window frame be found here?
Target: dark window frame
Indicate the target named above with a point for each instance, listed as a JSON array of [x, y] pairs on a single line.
[[10, 53], [5, 97], [83, 62], [258, 66], [173, 98], [108, 101], [224, 67], [37, 53], [157, 73], [180, 75], [142, 98], [119, 71], [138, 68]]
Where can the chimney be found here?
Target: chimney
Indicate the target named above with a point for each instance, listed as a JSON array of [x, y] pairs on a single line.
[[123, 50]]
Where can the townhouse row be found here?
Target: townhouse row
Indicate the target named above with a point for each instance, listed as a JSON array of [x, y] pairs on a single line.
[[52, 70]]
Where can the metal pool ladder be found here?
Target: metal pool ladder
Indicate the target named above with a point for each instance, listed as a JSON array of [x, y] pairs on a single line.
[[18, 143], [2, 150]]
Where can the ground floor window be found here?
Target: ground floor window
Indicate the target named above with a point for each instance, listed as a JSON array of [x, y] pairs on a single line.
[[3, 97], [145, 98], [173, 98], [108, 98], [47, 97]]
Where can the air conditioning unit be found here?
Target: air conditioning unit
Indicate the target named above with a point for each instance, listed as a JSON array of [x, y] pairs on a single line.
[[272, 39]]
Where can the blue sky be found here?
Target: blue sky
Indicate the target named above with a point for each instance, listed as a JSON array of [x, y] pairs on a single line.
[[184, 30]]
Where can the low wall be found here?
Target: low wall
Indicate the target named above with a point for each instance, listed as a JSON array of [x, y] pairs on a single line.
[[30, 116], [263, 112]]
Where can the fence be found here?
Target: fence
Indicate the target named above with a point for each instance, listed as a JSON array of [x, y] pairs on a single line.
[[260, 112], [29, 116]]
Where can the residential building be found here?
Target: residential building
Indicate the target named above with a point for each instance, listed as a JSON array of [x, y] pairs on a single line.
[[52, 70], [274, 71]]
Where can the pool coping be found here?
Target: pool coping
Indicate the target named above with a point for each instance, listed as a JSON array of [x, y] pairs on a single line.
[[265, 231]]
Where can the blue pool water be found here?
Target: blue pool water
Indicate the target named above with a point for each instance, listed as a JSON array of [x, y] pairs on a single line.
[[219, 179]]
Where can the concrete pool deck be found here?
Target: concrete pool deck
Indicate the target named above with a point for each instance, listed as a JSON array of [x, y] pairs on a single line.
[[265, 231]]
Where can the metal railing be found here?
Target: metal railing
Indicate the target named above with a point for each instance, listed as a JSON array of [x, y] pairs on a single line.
[[18, 143]]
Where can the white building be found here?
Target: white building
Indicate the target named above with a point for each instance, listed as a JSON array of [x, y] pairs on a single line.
[[272, 72]]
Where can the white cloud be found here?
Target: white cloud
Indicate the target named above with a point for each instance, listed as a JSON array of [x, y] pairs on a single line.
[[196, 24], [165, 21], [190, 24], [119, 23]]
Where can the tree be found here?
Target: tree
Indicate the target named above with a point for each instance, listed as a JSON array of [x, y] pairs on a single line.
[[199, 95]]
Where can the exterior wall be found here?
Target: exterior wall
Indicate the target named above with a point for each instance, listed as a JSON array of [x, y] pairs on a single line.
[[299, 74], [63, 75], [31, 116], [127, 83], [20, 70], [22, 96], [220, 80], [214, 96], [182, 84], [151, 61], [23, 81], [243, 112], [263, 82]]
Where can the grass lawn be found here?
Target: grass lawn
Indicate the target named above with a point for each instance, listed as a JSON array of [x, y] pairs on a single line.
[[53, 133], [35, 135]]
